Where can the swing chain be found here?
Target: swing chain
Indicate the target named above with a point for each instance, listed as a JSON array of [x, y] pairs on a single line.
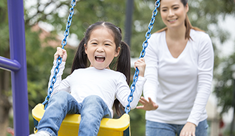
[[142, 54], [59, 59]]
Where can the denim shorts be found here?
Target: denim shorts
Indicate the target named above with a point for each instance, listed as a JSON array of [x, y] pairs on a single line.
[[164, 129]]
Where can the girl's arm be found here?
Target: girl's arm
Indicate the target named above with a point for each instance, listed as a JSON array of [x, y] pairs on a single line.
[[59, 84], [124, 90]]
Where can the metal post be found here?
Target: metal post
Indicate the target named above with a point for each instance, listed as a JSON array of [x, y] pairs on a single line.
[[19, 77], [128, 23], [233, 101]]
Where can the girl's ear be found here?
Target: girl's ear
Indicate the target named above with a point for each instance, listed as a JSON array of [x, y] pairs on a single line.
[[85, 46], [117, 51]]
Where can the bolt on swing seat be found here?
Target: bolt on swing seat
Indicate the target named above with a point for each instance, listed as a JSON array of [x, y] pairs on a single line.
[[108, 127]]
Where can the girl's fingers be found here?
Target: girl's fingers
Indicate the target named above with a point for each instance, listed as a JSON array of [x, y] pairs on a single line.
[[60, 52]]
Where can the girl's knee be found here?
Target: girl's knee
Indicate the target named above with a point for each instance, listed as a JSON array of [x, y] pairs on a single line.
[[92, 99], [60, 96]]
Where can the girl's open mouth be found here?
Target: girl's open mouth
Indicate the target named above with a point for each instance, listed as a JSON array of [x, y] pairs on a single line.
[[99, 58]]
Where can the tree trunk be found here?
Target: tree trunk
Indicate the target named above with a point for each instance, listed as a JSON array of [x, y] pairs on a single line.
[[5, 104]]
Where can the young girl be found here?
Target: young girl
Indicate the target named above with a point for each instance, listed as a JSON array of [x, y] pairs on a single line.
[[179, 72], [91, 90]]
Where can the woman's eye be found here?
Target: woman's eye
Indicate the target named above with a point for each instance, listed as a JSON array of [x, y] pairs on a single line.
[[164, 10], [176, 8]]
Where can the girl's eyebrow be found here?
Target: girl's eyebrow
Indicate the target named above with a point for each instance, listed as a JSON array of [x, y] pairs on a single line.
[[93, 40], [108, 41]]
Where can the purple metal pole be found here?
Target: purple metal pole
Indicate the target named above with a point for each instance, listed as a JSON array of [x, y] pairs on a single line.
[[9, 64], [19, 78]]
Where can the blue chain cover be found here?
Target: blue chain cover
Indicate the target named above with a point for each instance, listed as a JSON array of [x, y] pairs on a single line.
[[59, 59], [142, 54]]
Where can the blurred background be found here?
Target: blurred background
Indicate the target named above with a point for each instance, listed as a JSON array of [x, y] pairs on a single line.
[[45, 22]]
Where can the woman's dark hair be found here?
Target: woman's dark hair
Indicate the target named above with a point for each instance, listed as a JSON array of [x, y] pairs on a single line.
[[123, 61], [187, 23]]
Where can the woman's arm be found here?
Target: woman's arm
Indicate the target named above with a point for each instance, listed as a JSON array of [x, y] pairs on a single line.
[[205, 75]]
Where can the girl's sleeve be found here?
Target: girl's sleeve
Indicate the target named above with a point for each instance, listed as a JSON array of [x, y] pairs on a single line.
[[59, 85], [151, 71], [123, 91], [205, 75]]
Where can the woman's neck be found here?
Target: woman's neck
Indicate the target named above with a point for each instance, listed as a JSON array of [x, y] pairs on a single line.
[[176, 33]]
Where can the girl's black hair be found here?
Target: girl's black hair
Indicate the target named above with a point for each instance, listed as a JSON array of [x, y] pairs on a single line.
[[123, 61]]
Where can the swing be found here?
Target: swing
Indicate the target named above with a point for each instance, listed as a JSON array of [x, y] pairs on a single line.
[[108, 127]]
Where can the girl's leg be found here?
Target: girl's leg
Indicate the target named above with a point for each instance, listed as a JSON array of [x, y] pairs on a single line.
[[159, 129], [60, 104], [92, 111]]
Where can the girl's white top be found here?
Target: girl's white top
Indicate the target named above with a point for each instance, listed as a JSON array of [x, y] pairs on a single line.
[[180, 86], [107, 84]]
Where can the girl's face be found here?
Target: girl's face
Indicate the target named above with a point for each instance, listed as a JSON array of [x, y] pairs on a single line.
[[173, 13], [101, 48]]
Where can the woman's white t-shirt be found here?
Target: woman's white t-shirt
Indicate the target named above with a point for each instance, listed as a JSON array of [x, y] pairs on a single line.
[[180, 86]]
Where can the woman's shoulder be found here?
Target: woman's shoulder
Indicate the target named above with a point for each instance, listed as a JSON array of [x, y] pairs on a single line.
[[199, 35], [157, 37], [158, 34]]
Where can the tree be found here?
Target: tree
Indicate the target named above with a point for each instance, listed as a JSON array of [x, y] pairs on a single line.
[[224, 84], [55, 12], [5, 103]]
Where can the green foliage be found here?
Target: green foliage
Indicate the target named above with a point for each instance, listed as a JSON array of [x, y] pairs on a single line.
[[137, 122], [225, 84], [39, 59]]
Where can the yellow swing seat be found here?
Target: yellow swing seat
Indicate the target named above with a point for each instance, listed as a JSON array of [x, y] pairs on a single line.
[[70, 124]]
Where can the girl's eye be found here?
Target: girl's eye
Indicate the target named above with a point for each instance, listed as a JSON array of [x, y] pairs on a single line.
[[107, 44], [94, 43], [164, 10]]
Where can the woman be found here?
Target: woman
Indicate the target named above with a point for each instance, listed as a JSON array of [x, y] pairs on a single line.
[[179, 71]]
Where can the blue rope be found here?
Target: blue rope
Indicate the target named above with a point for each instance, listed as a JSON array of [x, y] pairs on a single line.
[[142, 54], [59, 59]]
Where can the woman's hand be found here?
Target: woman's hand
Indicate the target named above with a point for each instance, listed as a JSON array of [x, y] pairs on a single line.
[[62, 53], [188, 129], [147, 105], [140, 64]]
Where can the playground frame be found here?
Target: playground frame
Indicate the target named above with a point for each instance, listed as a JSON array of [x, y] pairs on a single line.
[[17, 65]]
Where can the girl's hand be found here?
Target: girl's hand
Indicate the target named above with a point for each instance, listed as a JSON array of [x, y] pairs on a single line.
[[147, 105], [140, 64], [62, 53], [188, 129]]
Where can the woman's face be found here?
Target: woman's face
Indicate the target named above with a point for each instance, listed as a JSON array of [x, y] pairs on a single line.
[[173, 13]]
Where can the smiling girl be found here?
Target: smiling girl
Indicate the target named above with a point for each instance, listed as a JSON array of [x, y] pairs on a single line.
[[179, 72], [92, 87]]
